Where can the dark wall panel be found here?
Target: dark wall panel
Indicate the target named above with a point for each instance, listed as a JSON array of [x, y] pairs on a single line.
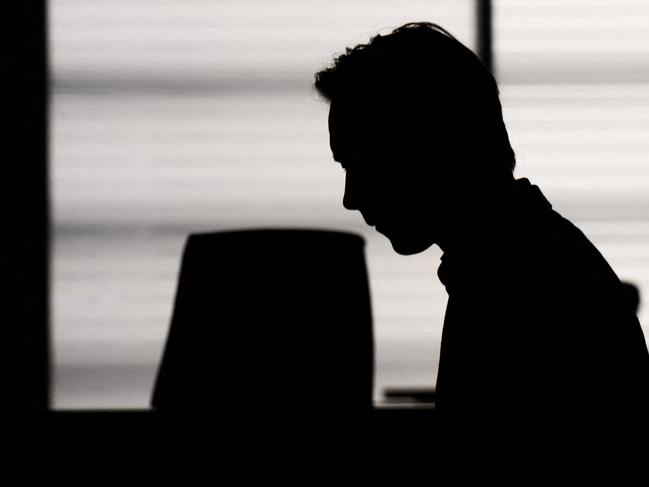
[[24, 312]]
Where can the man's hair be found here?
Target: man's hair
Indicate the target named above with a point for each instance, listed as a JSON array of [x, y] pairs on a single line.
[[428, 81]]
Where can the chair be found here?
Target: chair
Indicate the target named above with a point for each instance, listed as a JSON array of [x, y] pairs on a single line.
[[269, 326]]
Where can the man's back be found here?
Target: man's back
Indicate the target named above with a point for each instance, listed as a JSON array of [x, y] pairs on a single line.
[[539, 338]]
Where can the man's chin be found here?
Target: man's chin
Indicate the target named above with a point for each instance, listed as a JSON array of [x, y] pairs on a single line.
[[409, 246]]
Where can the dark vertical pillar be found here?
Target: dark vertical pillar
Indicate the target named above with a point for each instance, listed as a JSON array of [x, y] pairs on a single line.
[[484, 18], [24, 310]]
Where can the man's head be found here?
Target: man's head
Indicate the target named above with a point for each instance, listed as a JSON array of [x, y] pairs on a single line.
[[415, 119]]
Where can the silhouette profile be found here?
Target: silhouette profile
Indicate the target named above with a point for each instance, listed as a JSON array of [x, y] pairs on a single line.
[[540, 342], [271, 331]]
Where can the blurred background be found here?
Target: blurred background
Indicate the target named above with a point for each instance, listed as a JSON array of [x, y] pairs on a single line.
[[176, 117]]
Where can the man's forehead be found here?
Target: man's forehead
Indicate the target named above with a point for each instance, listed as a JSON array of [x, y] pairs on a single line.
[[342, 130], [351, 130], [352, 107], [361, 115], [341, 115], [349, 120]]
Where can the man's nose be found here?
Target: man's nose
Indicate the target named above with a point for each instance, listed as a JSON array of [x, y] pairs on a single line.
[[350, 198]]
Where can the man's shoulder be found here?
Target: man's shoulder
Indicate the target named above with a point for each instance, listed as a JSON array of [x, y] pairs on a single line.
[[525, 246], [548, 249]]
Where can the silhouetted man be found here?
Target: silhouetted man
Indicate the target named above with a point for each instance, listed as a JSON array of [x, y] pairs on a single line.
[[540, 341]]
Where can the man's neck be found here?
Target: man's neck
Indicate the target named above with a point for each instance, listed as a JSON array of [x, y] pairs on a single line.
[[475, 205]]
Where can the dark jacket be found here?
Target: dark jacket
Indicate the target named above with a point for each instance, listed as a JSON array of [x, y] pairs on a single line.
[[540, 340]]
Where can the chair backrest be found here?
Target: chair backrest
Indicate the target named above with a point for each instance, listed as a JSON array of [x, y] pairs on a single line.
[[270, 320]]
